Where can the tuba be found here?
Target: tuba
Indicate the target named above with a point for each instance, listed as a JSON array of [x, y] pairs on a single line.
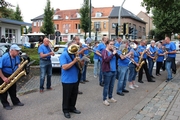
[[141, 61], [73, 49], [14, 77]]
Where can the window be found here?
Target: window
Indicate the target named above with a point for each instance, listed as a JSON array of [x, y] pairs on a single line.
[[10, 33], [34, 23], [114, 25], [144, 29], [140, 29], [104, 25], [98, 14], [67, 17], [77, 26], [78, 15]]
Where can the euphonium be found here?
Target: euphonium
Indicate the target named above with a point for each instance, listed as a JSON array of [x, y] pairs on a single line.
[[141, 61], [14, 77], [73, 49]]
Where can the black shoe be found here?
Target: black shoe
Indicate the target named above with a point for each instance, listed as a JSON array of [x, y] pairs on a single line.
[[19, 104], [79, 92], [121, 94], [152, 77], [8, 108], [168, 80], [76, 111], [140, 81], [82, 82], [151, 81], [101, 84], [67, 115], [126, 91]]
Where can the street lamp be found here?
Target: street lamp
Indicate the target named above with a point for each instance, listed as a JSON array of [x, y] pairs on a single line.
[[119, 18], [89, 18]]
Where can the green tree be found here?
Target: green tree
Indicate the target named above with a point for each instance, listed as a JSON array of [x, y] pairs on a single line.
[[48, 25], [4, 12], [84, 20], [29, 30], [17, 14], [160, 4]]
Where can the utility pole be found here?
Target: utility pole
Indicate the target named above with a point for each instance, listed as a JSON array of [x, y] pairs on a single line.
[[119, 19], [89, 18]]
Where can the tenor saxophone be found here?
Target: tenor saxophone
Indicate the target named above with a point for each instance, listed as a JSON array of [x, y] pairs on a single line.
[[14, 77], [141, 61]]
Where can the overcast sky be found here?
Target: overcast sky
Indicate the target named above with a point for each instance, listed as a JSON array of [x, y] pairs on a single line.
[[33, 8]]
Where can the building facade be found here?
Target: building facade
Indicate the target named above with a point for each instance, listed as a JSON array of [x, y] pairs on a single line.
[[149, 21]]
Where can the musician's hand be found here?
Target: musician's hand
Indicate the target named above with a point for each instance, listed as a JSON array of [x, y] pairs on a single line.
[[86, 48], [6, 80], [166, 52], [114, 52], [51, 53], [76, 59], [137, 65]]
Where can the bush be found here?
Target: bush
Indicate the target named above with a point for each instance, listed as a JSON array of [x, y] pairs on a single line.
[[92, 57], [62, 43], [33, 54]]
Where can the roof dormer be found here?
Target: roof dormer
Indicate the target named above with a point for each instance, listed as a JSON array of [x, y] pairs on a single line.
[[98, 14]]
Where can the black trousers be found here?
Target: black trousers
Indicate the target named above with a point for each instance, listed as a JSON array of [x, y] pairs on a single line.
[[12, 93], [70, 92], [158, 67], [140, 74]]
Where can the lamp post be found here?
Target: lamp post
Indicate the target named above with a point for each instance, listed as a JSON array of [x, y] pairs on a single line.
[[119, 18], [89, 18]]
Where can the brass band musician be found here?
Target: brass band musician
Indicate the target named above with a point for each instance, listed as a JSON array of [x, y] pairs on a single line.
[[9, 62]]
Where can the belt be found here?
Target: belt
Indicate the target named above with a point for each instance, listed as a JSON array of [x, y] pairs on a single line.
[[45, 59]]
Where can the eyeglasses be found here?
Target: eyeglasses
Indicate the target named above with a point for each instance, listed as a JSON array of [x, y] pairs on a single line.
[[111, 44]]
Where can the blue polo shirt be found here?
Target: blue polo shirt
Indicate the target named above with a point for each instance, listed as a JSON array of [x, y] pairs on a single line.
[[136, 55], [9, 65], [45, 50], [95, 55], [171, 47], [160, 57], [70, 75], [141, 49], [122, 62], [112, 62], [117, 44], [152, 51], [100, 48]]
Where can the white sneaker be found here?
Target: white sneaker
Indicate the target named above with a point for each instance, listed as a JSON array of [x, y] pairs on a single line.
[[106, 103], [136, 86], [112, 100], [95, 76], [131, 87]]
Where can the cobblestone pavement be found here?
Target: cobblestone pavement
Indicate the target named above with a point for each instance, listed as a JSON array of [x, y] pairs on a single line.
[[164, 105]]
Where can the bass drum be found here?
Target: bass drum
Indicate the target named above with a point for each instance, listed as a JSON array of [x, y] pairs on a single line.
[[26, 67]]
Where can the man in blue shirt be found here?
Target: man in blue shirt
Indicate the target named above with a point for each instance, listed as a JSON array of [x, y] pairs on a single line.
[[9, 63], [171, 55], [99, 50], [96, 60], [118, 42], [45, 53], [70, 74], [142, 50], [152, 50]]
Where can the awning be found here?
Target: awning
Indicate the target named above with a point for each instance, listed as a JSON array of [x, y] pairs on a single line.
[[14, 22]]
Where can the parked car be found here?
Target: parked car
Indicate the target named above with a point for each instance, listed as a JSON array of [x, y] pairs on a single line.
[[58, 49], [4, 47]]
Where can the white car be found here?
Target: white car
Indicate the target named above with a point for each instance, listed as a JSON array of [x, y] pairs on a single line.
[[58, 49]]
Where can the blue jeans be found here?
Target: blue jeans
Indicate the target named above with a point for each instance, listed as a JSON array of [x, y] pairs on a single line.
[[109, 79], [123, 76], [96, 67], [150, 65], [132, 72], [100, 73], [45, 68], [168, 68], [83, 76]]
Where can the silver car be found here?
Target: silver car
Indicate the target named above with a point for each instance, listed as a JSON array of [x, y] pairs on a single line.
[[58, 49]]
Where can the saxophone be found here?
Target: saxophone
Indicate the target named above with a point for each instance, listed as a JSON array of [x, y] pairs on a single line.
[[155, 56], [141, 61], [14, 77]]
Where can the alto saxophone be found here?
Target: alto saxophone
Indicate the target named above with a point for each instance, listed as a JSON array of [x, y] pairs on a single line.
[[141, 61], [14, 77]]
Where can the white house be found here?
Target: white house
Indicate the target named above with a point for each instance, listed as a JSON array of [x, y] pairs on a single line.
[[11, 29]]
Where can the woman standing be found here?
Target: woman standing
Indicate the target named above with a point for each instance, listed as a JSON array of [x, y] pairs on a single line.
[[160, 58], [132, 66], [109, 72]]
